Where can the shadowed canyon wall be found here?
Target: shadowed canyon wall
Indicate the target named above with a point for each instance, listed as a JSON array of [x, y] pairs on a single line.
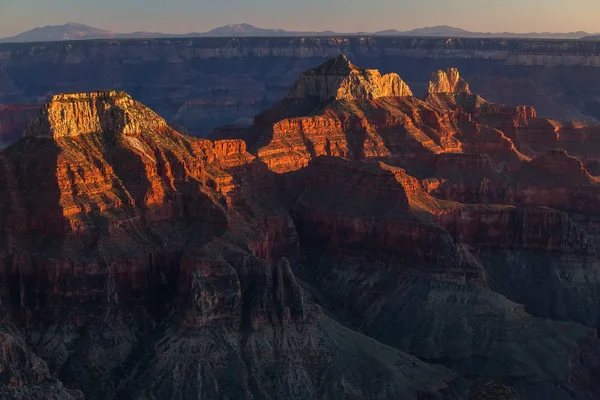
[[203, 83], [355, 242]]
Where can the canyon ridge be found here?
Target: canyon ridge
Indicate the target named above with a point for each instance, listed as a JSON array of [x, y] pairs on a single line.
[[356, 240], [202, 83]]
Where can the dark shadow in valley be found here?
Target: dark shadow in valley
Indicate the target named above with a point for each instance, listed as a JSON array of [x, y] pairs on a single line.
[[33, 218]]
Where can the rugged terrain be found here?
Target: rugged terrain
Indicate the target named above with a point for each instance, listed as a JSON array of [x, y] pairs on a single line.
[[355, 242], [202, 83]]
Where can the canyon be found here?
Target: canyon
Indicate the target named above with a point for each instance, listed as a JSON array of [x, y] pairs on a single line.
[[356, 240], [203, 83], [13, 121]]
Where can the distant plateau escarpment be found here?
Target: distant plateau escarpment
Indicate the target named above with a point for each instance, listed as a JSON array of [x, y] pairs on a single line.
[[202, 83]]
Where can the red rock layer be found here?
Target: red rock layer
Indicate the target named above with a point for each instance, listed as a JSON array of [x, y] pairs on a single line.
[[115, 177], [448, 119], [350, 205], [448, 81], [399, 211]]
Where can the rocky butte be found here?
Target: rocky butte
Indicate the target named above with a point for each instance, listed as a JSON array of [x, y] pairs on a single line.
[[356, 241], [448, 81], [338, 79], [202, 83]]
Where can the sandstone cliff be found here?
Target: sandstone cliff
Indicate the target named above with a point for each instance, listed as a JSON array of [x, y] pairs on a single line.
[[110, 215], [448, 81], [355, 126], [202, 83], [114, 112], [464, 149], [338, 79], [355, 242]]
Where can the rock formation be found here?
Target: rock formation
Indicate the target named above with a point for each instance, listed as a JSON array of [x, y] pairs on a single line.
[[449, 119], [448, 81], [131, 221], [354, 242], [114, 112], [202, 83], [338, 79]]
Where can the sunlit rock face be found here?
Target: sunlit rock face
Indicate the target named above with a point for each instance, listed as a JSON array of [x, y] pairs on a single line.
[[339, 79], [132, 222], [69, 115], [203, 83], [448, 81], [356, 241], [448, 120]]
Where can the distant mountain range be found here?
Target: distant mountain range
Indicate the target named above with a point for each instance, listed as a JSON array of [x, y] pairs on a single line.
[[76, 31], [445, 30]]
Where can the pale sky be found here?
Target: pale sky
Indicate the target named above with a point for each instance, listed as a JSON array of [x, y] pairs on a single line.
[[182, 16]]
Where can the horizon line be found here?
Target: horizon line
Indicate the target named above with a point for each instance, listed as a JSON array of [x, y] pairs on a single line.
[[303, 31]]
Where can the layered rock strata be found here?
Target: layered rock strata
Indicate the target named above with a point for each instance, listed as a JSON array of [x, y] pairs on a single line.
[[202, 83], [338, 79], [355, 242], [448, 81], [116, 227]]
